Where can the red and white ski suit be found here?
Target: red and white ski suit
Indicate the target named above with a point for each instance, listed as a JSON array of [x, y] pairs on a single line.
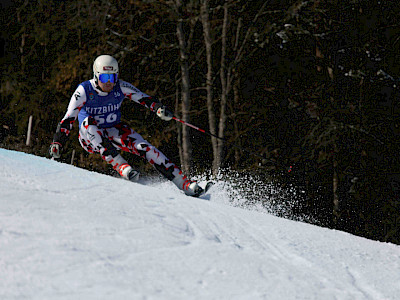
[[96, 136]]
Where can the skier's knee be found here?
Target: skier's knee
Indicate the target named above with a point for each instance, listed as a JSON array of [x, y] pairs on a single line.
[[144, 147]]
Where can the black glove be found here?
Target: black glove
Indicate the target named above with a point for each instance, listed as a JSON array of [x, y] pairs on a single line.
[[55, 150], [163, 112]]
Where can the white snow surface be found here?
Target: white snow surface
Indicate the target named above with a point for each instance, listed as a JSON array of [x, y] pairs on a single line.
[[68, 233]]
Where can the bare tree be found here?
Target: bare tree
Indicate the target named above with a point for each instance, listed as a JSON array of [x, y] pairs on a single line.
[[233, 49], [186, 158], [224, 73], [205, 19]]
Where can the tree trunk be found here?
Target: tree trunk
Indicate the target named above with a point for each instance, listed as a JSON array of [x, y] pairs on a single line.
[[224, 90], [236, 99], [205, 19], [177, 113], [335, 185], [185, 93]]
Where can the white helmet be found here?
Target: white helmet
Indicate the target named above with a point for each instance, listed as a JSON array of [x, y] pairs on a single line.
[[105, 64]]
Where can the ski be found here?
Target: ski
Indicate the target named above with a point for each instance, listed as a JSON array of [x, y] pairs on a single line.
[[205, 190], [207, 187]]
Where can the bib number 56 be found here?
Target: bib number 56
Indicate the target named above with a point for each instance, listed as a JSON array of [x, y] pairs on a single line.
[[101, 119]]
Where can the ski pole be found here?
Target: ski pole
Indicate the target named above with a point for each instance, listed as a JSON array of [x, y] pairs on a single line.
[[232, 144], [195, 127]]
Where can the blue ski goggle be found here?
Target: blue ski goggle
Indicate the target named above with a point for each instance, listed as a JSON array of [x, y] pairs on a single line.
[[108, 77]]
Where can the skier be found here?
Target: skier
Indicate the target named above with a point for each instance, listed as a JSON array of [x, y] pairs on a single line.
[[96, 103]]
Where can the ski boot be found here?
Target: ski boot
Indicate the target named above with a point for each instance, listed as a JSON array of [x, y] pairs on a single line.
[[129, 173], [194, 190]]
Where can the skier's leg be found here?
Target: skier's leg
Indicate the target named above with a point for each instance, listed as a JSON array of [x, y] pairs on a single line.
[[128, 140], [94, 140]]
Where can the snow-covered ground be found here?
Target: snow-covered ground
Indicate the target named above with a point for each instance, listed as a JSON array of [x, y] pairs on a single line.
[[67, 233]]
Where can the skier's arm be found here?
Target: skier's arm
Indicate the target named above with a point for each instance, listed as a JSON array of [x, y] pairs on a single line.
[[64, 128], [152, 103]]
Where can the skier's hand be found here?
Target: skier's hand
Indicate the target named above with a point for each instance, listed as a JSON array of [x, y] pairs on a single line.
[[55, 150], [163, 112]]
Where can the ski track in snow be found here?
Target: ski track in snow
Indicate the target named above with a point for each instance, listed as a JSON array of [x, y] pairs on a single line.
[[67, 233]]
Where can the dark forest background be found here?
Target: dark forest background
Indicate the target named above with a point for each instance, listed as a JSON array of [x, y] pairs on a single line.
[[313, 85]]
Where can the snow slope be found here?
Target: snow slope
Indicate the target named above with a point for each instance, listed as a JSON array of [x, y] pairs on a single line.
[[67, 233]]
